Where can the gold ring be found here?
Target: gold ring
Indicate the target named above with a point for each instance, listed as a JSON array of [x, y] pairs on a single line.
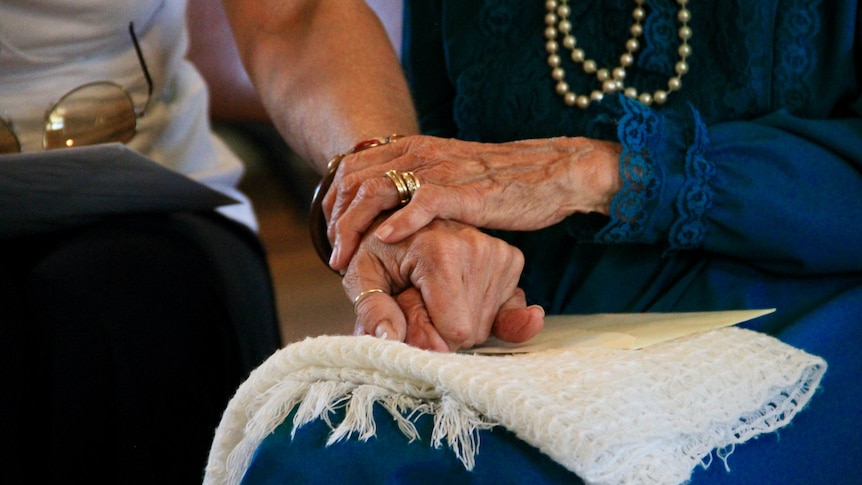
[[362, 294], [400, 185], [412, 183]]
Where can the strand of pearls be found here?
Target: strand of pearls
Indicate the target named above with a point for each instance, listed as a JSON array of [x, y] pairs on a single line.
[[611, 80]]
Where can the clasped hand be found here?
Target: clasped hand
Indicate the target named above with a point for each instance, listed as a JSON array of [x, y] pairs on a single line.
[[446, 287], [455, 285]]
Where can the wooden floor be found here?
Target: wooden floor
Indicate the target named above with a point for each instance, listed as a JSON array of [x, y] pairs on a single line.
[[309, 296]]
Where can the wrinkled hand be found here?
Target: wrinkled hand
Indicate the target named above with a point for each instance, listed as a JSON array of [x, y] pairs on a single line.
[[523, 185], [447, 287]]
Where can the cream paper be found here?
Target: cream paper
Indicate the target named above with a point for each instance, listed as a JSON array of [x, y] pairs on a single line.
[[624, 331]]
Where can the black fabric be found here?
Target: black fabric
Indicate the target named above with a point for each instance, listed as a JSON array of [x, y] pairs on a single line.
[[122, 343], [59, 190]]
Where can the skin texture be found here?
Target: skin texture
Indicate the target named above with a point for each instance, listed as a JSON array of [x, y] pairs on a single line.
[[443, 300], [523, 185]]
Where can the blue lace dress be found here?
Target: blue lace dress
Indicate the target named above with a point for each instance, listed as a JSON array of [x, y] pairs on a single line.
[[742, 191]]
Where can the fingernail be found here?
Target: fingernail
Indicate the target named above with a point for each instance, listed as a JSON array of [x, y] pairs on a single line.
[[383, 232], [334, 256], [538, 307], [382, 330]]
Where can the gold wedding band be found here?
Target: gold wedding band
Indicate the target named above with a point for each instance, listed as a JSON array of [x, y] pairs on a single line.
[[403, 193], [406, 183], [362, 294]]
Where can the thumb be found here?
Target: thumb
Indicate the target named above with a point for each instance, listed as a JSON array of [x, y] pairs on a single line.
[[516, 322]]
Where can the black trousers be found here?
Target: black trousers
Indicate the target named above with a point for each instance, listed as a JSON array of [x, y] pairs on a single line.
[[121, 343]]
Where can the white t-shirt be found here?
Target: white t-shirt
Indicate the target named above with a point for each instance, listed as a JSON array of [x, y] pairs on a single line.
[[49, 47]]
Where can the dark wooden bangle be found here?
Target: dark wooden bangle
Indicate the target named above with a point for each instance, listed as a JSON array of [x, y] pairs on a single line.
[[316, 220]]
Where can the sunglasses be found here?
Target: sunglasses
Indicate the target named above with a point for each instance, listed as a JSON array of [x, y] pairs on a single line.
[[97, 112]]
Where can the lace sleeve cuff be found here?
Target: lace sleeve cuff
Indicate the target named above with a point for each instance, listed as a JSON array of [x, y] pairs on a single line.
[[666, 179]]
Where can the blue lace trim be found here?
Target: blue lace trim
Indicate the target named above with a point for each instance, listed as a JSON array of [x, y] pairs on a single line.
[[636, 129], [696, 196], [642, 132]]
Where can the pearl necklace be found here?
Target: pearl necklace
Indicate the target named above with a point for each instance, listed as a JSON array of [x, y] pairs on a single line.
[[558, 24]]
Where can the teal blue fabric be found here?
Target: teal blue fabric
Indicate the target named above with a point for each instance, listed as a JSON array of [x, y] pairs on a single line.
[[742, 191], [391, 459]]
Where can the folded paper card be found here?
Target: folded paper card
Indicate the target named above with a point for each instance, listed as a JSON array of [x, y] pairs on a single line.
[[58, 189], [618, 330]]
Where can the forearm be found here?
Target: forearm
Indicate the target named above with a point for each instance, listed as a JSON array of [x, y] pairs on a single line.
[[325, 70]]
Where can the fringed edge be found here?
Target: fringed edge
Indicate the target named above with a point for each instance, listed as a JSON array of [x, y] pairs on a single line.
[[459, 425], [456, 424]]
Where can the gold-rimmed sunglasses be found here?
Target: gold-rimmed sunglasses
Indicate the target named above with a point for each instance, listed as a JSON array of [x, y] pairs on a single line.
[[97, 112]]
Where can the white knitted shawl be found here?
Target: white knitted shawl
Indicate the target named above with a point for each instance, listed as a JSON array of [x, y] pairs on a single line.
[[611, 416]]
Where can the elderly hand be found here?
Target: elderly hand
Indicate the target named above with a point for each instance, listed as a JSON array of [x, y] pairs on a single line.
[[446, 287], [523, 185]]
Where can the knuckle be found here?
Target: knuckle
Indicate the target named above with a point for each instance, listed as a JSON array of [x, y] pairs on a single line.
[[363, 191], [340, 226], [347, 182]]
